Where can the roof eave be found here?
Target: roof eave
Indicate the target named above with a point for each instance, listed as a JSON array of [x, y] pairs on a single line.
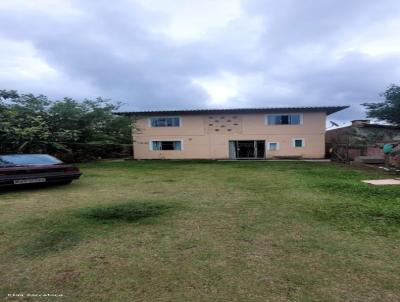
[[328, 109]]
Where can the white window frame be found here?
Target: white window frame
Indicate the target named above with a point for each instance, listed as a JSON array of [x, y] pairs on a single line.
[[300, 138], [165, 140], [151, 117], [277, 146], [277, 114]]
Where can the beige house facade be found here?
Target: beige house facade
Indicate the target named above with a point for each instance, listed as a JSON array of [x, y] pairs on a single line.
[[254, 133]]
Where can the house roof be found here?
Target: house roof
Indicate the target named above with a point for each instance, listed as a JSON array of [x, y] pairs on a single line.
[[327, 109], [372, 126], [381, 126]]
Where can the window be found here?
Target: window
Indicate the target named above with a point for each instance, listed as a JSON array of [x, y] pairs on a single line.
[[165, 122], [283, 119], [28, 159], [166, 145], [273, 146], [298, 142]]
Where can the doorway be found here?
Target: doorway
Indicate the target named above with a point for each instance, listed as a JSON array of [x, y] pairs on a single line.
[[245, 149]]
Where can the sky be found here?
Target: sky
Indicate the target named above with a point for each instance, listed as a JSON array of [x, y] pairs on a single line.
[[176, 54]]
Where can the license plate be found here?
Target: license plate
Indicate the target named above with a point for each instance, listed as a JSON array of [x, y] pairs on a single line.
[[29, 181]]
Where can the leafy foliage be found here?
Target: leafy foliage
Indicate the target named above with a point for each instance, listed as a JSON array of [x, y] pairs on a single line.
[[389, 110], [35, 123]]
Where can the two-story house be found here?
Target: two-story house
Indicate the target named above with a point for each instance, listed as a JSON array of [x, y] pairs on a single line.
[[253, 133]]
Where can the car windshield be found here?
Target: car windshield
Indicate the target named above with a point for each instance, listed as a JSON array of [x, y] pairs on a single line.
[[28, 159]]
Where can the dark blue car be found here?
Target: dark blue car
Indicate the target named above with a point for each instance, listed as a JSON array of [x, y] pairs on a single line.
[[22, 169]]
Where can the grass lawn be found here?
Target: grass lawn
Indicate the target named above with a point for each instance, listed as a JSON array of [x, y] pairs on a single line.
[[204, 231]]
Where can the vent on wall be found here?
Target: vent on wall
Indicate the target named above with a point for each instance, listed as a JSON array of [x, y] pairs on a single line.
[[223, 124]]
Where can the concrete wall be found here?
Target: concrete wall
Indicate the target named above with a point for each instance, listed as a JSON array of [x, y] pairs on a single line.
[[361, 139], [208, 136]]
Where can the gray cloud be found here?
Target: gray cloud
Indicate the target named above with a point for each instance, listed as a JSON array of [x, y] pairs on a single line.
[[270, 54]]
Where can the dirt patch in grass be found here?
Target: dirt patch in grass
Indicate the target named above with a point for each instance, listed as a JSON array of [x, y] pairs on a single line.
[[69, 228], [66, 276]]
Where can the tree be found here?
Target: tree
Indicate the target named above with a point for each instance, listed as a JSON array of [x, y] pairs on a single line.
[[35, 123], [388, 110], [90, 121], [25, 120]]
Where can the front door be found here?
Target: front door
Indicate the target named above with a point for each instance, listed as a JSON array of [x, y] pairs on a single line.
[[246, 149]]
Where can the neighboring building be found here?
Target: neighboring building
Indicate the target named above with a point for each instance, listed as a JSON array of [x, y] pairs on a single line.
[[297, 132], [361, 138]]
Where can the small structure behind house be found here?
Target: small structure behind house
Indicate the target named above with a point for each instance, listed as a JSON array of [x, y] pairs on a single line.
[[361, 141]]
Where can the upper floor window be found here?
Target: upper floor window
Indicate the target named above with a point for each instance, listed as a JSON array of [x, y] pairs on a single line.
[[283, 119], [165, 122]]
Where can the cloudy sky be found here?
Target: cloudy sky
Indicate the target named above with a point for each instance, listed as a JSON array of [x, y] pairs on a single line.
[[175, 54]]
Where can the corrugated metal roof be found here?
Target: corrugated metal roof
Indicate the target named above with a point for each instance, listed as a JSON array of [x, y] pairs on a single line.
[[381, 126], [373, 126], [327, 109]]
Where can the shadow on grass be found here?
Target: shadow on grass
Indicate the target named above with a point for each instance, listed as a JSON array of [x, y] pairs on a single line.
[[129, 212], [69, 228], [51, 241]]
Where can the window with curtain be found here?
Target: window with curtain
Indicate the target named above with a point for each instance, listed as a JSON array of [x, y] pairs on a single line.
[[284, 119], [165, 122], [166, 145]]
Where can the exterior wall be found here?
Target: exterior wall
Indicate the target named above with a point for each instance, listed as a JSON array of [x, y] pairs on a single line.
[[351, 141], [208, 136], [358, 133]]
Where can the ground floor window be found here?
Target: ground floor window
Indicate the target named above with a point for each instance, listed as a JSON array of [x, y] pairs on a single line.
[[298, 142], [272, 146], [166, 145]]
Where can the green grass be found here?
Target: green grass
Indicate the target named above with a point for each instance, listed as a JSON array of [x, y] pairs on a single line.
[[65, 229], [204, 231], [129, 212]]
